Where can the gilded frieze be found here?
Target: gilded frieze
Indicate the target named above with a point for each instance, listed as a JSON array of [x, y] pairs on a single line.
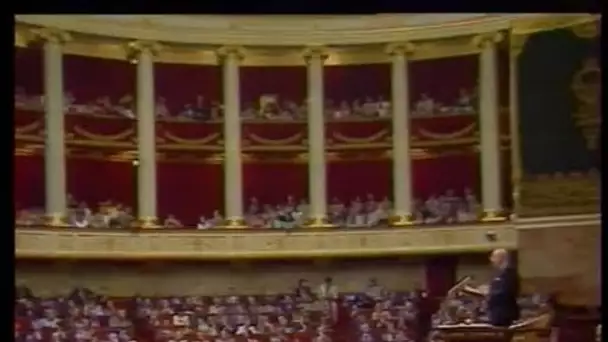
[[46, 243]]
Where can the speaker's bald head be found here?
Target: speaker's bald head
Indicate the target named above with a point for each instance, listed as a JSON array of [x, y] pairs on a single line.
[[499, 257]]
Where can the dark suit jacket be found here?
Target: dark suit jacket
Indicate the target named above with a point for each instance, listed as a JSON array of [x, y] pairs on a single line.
[[502, 298]]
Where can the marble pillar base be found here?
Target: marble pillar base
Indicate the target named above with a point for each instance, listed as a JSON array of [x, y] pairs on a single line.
[[319, 221], [233, 223], [147, 222], [493, 216], [56, 220], [401, 220]]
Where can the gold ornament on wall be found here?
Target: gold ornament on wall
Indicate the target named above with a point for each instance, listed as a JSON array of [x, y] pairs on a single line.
[[586, 86]]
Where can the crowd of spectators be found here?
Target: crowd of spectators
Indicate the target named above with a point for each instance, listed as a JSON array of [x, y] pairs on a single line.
[[359, 212], [306, 314], [268, 108]]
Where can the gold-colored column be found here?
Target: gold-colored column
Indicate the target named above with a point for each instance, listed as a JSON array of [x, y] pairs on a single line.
[[233, 164], [317, 174], [143, 53], [491, 184], [517, 43], [402, 168], [54, 158]]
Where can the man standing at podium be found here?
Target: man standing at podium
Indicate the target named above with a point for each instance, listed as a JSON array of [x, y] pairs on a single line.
[[502, 292]]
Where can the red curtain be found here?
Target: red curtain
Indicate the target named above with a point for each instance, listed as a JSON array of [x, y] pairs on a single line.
[[90, 78], [98, 180], [443, 78], [351, 82], [440, 274], [28, 182], [271, 183], [189, 190], [180, 84], [289, 83], [435, 175], [347, 180], [28, 70]]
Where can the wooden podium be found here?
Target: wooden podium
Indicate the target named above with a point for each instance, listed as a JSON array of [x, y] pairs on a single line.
[[537, 329]]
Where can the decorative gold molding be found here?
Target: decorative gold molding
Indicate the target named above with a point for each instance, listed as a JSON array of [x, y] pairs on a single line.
[[233, 244], [483, 40], [560, 194], [313, 51], [135, 48], [405, 48], [353, 40], [50, 35], [548, 22], [588, 30], [226, 51]]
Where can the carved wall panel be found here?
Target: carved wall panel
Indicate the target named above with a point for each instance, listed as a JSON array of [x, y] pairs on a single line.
[[201, 279], [563, 259]]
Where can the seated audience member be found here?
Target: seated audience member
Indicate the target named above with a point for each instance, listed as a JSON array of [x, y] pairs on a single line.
[[188, 112], [465, 101], [217, 219], [303, 292], [203, 223], [384, 107], [327, 290], [425, 106], [172, 222], [162, 112], [126, 107], [68, 102]]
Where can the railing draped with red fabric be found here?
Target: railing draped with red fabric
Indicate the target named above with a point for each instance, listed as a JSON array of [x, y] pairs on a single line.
[[91, 78], [442, 79], [348, 83], [189, 190], [288, 83], [29, 70], [180, 84]]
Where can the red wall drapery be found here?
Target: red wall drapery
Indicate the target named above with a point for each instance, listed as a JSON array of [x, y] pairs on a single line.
[[351, 82], [97, 180], [28, 182], [348, 180], [440, 274], [289, 83], [90, 78], [271, 183], [180, 84], [28, 70], [443, 78], [189, 190], [435, 175]]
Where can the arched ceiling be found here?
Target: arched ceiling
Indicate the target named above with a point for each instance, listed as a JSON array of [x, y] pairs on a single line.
[[265, 30]]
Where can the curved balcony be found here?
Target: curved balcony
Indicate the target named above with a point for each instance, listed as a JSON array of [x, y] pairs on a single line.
[[213, 90]]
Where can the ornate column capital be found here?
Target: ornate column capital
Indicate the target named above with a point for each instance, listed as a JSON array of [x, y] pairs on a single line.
[[315, 51], [50, 35], [404, 48], [227, 51], [135, 48], [487, 39]]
